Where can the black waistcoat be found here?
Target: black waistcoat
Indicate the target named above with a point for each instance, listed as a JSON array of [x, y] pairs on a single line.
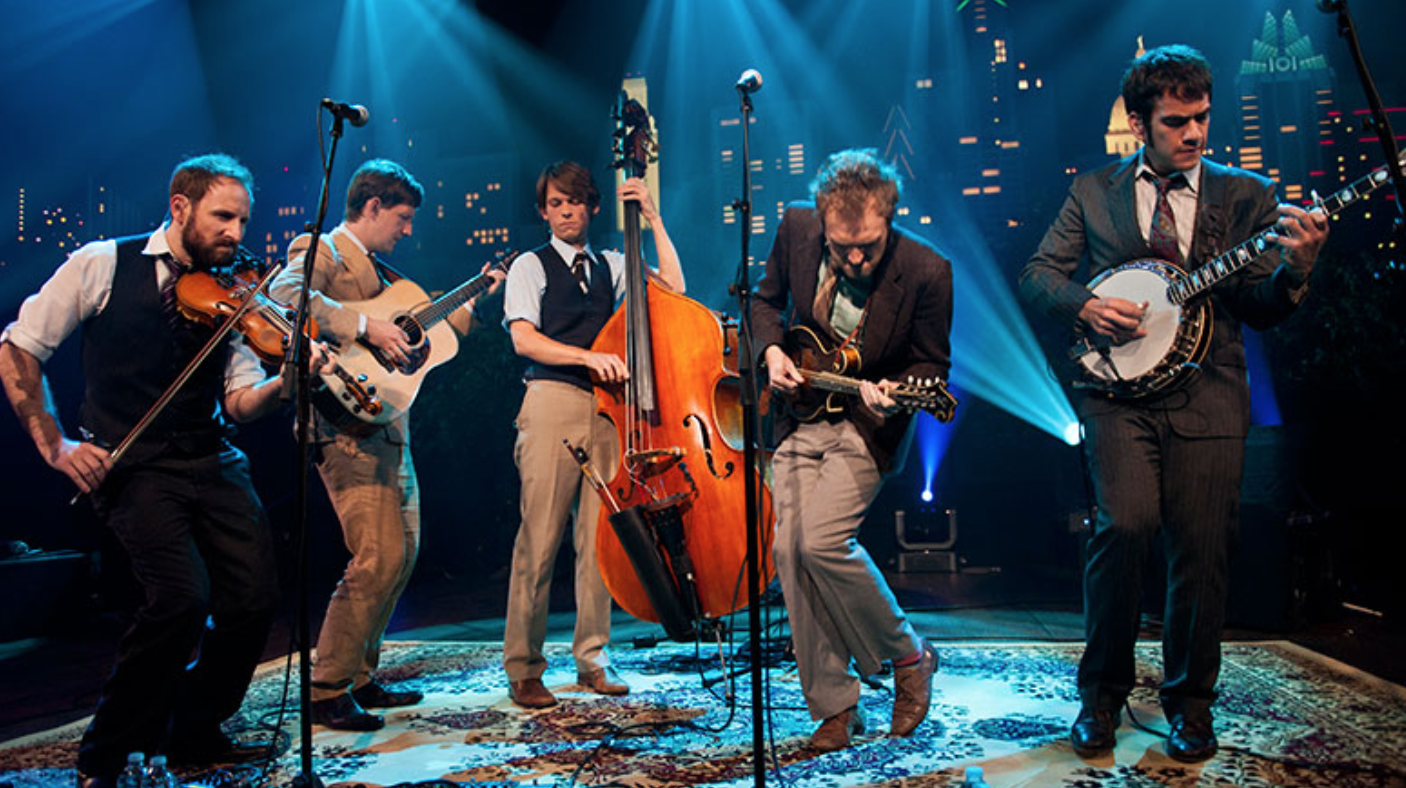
[[132, 352], [571, 316]]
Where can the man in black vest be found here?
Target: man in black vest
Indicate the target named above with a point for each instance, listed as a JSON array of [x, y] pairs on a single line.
[[555, 301], [180, 501]]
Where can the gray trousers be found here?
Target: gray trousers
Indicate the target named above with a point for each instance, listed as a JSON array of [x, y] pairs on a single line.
[[840, 607], [1153, 484], [553, 490], [371, 482]]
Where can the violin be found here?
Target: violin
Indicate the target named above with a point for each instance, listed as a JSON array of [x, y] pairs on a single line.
[[267, 326]]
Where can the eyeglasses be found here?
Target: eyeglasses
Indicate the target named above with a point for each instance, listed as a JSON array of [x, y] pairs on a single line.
[[870, 250]]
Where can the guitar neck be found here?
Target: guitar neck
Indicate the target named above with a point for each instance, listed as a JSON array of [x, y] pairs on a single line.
[[1241, 255], [445, 305]]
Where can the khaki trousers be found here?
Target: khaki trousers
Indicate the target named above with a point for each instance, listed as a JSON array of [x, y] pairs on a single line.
[[371, 482], [555, 491], [840, 606]]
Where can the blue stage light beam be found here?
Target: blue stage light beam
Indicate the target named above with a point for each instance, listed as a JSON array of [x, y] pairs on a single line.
[[996, 356], [1264, 403]]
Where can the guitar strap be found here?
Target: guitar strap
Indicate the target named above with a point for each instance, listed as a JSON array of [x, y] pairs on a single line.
[[823, 307], [387, 272], [855, 333]]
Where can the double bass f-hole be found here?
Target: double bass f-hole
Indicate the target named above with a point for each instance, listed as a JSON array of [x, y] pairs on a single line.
[[707, 441]]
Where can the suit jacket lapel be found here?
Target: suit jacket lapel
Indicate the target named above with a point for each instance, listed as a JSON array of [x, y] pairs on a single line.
[[1209, 238], [885, 302], [1122, 209], [806, 274]]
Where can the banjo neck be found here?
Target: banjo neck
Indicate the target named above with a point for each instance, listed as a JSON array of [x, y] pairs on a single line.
[[1208, 274]]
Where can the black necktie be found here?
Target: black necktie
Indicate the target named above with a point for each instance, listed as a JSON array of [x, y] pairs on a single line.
[[578, 267], [1162, 235]]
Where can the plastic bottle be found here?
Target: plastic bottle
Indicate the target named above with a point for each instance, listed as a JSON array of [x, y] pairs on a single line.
[[132, 775], [158, 775], [975, 778]]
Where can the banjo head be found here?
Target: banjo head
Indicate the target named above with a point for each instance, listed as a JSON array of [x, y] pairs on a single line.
[[1141, 281]]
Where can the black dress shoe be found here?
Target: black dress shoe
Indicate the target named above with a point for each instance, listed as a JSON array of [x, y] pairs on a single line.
[[376, 696], [343, 713], [1092, 733], [1193, 738], [212, 747]]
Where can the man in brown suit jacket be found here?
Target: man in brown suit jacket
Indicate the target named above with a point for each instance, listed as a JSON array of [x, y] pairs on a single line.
[[369, 475]]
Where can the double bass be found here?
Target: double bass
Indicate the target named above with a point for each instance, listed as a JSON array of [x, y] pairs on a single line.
[[677, 497]]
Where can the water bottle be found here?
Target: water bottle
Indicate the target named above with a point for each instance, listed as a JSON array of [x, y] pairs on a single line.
[[974, 778], [158, 775], [131, 775]]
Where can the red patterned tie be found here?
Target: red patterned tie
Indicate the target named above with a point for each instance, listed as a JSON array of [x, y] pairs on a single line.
[[1162, 236]]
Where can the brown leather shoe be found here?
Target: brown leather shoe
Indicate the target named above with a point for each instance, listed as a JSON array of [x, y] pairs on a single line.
[[603, 681], [836, 732], [912, 692], [531, 694]]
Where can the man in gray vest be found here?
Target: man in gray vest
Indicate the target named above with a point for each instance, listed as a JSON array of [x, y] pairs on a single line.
[[556, 300]]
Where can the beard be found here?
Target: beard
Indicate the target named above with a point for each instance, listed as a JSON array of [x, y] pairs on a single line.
[[205, 256]]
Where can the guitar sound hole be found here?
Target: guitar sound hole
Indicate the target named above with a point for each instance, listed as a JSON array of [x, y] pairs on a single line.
[[412, 329]]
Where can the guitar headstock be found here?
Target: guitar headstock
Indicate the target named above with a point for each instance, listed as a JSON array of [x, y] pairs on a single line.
[[929, 394], [634, 145]]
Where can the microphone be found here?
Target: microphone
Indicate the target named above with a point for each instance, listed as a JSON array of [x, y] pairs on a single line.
[[354, 114], [750, 81]]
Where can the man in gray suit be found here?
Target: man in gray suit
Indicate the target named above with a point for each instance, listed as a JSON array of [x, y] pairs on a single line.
[[1170, 461]]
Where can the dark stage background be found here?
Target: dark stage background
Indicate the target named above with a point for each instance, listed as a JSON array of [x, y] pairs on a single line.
[[987, 107]]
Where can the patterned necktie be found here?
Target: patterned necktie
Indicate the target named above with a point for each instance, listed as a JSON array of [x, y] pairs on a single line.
[[1162, 235], [578, 267], [168, 289]]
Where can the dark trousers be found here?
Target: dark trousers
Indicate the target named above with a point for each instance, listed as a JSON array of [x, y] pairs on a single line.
[[1148, 479], [201, 548]]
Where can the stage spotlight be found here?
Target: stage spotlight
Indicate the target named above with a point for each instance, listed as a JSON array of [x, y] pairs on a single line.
[[927, 496], [1073, 433]]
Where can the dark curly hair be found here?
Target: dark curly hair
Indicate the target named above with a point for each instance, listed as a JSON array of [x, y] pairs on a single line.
[[1175, 69]]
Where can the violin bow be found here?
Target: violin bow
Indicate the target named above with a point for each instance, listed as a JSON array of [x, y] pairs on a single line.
[[179, 383]]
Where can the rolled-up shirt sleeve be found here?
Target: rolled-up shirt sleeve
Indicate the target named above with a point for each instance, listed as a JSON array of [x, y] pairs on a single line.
[[78, 290]]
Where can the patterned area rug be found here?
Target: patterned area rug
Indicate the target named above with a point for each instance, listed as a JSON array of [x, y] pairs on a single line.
[[1287, 717]]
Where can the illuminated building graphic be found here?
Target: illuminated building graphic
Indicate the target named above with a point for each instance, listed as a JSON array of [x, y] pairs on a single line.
[[997, 154], [1119, 141], [1285, 92], [782, 167]]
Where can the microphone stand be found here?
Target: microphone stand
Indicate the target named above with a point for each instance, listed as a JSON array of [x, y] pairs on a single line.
[[1380, 123], [746, 369], [296, 363]]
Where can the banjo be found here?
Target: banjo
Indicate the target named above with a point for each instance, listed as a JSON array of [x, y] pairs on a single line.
[[1177, 322]]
